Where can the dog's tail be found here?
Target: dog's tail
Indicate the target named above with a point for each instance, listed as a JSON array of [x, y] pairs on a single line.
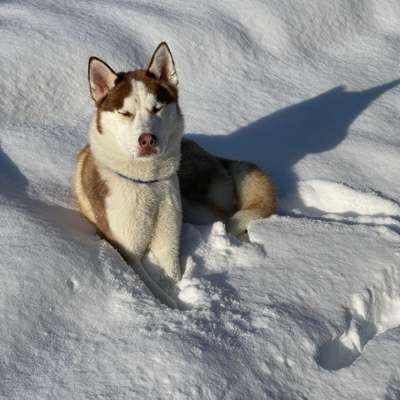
[[255, 193]]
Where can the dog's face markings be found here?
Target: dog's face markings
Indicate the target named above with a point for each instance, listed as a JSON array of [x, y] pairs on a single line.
[[137, 111]]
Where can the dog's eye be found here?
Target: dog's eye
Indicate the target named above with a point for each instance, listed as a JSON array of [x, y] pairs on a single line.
[[156, 109], [125, 113]]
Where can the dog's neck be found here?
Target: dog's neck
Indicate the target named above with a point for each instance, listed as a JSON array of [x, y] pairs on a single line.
[[143, 170]]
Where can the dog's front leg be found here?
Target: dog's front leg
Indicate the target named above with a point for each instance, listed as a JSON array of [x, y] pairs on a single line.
[[133, 232], [166, 239]]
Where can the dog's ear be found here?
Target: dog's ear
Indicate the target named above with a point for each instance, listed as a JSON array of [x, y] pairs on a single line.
[[101, 78], [162, 65]]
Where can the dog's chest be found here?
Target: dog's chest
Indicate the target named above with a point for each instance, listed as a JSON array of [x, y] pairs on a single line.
[[132, 208]]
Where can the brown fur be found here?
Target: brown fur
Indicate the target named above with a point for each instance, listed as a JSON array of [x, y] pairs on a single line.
[[234, 191], [95, 190], [164, 93], [254, 189], [98, 123], [224, 186], [114, 100]]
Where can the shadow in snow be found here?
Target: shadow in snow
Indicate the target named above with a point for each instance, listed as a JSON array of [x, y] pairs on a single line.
[[276, 143], [14, 185], [279, 140], [342, 352], [12, 180], [393, 388]]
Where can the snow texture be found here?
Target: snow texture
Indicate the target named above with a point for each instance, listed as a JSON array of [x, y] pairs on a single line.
[[310, 307]]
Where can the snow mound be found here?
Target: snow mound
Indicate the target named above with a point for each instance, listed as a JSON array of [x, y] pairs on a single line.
[[327, 197], [309, 308], [339, 202]]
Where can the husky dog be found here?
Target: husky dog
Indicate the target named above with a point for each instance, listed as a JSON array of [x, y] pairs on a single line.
[[126, 180]]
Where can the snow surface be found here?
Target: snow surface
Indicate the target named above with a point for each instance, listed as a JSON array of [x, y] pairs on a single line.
[[310, 308]]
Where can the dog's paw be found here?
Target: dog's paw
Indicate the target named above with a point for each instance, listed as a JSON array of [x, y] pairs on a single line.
[[176, 274], [240, 232], [172, 272]]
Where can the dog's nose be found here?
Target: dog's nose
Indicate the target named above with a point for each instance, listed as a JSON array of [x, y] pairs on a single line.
[[147, 140]]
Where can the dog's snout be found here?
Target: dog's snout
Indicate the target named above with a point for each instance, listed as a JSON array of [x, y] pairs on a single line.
[[147, 144], [147, 140]]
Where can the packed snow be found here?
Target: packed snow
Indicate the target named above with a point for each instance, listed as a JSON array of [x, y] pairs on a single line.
[[309, 308]]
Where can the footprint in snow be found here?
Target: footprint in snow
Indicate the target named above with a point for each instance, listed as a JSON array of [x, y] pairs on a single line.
[[373, 312], [72, 284]]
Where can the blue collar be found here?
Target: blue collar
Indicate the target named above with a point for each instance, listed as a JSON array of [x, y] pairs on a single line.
[[139, 180]]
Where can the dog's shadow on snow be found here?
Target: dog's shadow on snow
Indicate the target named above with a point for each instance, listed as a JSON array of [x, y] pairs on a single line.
[[276, 143], [279, 140]]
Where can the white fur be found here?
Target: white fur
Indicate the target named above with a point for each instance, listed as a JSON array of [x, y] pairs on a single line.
[[118, 146], [146, 217], [142, 217]]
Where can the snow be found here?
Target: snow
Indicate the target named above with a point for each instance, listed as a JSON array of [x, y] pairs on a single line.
[[310, 307]]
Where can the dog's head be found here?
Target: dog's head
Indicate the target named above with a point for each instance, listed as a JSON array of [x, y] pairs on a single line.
[[137, 116]]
